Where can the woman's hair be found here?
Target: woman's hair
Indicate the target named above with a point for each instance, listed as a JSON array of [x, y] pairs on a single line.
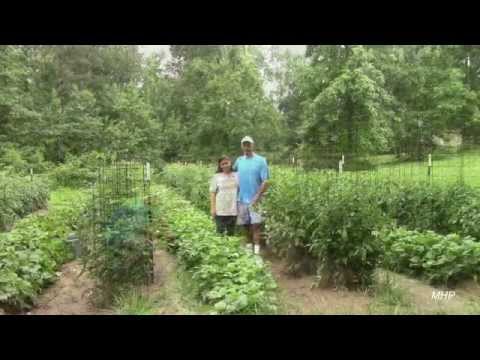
[[224, 157]]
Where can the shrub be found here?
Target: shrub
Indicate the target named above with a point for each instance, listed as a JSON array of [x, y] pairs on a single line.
[[191, 181], [344, 238], [323, 222], [288, 212], [20, 161], [463, 211], [441, 259], [77, 171], [422, 206], [19, 196]]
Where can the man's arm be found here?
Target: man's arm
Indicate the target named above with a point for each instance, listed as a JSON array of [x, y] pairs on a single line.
[[261, 191], [264, 175]]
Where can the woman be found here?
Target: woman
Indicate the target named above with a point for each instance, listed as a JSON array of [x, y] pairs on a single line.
[[224, 187]]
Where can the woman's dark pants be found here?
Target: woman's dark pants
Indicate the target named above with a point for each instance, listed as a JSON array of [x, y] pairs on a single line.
[[226, 224]]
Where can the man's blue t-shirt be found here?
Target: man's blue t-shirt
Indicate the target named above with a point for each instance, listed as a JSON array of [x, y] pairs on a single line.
[[252, 172]]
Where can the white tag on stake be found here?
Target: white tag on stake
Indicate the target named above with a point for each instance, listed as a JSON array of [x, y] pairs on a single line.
[[148, 172]]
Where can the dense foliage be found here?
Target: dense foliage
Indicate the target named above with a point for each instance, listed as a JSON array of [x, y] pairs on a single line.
[[20, 196], [57, 101], [119, 254], [191, 181], [327, 220], [442, 259], [226, 275], [30, 255], [444, 209], [331, 221], [79, 171], [325, 223]]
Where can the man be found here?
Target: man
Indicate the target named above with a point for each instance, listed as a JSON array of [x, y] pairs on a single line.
[[253, 174]]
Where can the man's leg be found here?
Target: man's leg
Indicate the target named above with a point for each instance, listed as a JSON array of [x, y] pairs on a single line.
[[257, 233], [243, 219], [257, 237], [249, 232]]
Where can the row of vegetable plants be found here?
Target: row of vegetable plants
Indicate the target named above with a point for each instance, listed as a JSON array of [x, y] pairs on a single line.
[[31, 254], [20, 196], [226, 275], [338, 226]]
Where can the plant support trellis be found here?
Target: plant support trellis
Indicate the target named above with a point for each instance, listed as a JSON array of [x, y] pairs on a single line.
[[120, 245]]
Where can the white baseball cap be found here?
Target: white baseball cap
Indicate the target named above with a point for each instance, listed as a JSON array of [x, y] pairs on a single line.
[[247, 139]]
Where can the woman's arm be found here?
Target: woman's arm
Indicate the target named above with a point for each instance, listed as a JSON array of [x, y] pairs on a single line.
[[213, 197], [213, 207]]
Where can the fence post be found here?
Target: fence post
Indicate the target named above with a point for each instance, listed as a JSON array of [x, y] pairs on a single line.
[[430, 167], [462, 165], [31, 190], [148, 172]]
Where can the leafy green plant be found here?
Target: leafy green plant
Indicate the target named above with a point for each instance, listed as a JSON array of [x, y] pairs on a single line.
[[20, 196], [446, 209], [463, 211], [31, 254], [344, 242], [120, 255], [77, 171], [226, 275], [322, 222], [190, 181], [441, 259]]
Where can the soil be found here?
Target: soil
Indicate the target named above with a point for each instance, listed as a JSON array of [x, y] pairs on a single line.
[[299, 297], [166, 287], [70, 295]]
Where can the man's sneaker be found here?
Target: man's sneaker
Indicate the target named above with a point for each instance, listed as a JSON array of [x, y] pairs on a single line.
[[256, 249]]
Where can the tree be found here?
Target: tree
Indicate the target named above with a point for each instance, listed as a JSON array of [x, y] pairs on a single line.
[[218, 102], [345, 106], [182, 55], [430, 93]]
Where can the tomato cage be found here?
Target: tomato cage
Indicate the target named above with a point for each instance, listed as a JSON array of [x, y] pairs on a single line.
[[119, 245]]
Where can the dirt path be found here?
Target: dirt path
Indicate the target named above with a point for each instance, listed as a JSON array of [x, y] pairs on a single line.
[[421, 296], [168, 290], [70, 295], [299, 298]]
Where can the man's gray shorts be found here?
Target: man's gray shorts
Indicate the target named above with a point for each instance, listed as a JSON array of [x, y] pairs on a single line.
[[246, 216]]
